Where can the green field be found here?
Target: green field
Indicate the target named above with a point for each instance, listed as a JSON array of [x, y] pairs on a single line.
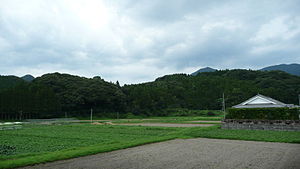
[[42, 143]]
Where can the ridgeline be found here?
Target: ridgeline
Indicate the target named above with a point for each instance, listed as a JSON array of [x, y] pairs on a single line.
[[55, 95]]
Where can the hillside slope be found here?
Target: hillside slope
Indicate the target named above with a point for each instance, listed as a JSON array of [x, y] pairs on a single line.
[[55, 94], [204, 91], [9, 81], [80, 93]]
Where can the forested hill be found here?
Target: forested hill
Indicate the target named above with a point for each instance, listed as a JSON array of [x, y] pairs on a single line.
[[9, 81], [204, 91], [54, 95], [79, 94]]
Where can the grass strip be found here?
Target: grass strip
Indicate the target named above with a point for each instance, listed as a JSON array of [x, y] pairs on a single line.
[[250, 135]]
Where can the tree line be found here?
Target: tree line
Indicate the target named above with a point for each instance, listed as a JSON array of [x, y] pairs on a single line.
[[58, 95]]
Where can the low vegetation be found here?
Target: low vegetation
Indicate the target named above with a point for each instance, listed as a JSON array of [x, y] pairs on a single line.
[[250, 135], [43, 143], [264, 113]]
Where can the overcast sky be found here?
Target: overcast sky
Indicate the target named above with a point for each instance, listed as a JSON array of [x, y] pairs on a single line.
[[136, 41]]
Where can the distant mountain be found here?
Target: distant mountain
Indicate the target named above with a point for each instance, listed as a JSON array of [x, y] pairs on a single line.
[[293, 69], [28, 78], [207, 69]]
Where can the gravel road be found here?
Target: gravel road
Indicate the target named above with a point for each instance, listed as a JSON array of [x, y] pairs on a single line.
[[191, 153]]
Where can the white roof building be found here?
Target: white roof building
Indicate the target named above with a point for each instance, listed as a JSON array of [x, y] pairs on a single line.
[[261, 101]]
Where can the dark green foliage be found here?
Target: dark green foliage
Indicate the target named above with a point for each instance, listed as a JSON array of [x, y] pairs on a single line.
[[9, 81], [264, 113], [7, 149], [187, 112], [28, 101], [204, 91], [78, 94], [74, 96]]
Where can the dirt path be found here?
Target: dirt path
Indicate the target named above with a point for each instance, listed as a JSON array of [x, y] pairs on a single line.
[[191, 153], [204, 121], [114, 120], [165, 124]]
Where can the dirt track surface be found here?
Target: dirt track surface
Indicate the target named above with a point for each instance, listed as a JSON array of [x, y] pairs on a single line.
[[204, 121], [165, 124], [191, 153]]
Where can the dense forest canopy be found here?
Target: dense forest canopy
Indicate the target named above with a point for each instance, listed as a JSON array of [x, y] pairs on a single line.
[[54, 95], [79, 94], [9, 82], [204, 91]]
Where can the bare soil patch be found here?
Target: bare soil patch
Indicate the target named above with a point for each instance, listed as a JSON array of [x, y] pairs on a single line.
[[204, 121], [165, 124]]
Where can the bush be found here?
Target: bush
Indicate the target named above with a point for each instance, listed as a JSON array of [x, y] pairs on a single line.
[[210, 113], [263, 113], [188, 112], [7, 150]]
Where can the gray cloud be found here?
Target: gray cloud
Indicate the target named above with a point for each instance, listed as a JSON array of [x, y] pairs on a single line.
[[136, 41]]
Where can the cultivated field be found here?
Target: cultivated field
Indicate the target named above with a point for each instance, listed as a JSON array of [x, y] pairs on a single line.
[[54, 141]]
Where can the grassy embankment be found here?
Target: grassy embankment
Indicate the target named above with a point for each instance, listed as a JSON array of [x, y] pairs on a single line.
[[44, 143]]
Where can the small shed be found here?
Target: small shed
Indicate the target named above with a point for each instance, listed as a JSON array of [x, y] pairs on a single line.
[[261, 101]]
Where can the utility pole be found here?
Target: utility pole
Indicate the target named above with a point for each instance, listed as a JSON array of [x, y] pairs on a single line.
[[223, 106], [91, 115], [299, 105]]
